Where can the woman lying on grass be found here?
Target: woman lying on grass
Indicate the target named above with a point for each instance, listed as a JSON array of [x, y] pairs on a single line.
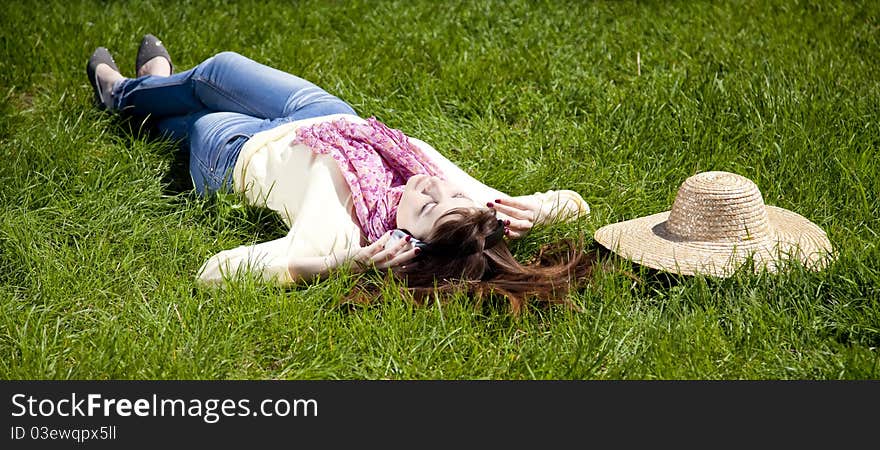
[[343, 184]]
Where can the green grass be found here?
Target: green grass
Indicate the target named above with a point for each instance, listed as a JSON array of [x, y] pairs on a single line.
[[98, 250]]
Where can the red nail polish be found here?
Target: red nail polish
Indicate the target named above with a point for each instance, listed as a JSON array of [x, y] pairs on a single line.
[[497, 200], [507, 222], [418, 250], [489, 204], [408, 238]]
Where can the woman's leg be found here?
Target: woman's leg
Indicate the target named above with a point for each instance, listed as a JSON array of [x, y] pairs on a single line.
[[227, 82], [213, 108], [214, 140]]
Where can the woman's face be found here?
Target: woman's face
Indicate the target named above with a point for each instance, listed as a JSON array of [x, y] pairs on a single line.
[[425, 199]]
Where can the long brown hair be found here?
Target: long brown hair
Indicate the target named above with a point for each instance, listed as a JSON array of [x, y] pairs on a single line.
[[485, 272]]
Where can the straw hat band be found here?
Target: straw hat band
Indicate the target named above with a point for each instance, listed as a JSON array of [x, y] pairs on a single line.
[[731, 212], [661, 230]]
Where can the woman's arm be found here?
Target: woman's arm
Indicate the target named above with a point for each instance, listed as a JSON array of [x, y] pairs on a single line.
[[267, 260], [381, 254], [272, 262], [520, 213]]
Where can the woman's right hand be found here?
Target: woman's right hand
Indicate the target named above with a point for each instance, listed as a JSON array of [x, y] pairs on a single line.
[[385, 253]]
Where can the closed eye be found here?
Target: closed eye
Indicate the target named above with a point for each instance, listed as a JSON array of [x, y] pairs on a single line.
[[428, 204]]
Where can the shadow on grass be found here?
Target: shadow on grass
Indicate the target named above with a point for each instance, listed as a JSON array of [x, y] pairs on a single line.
[[177, 180], [610, 262]]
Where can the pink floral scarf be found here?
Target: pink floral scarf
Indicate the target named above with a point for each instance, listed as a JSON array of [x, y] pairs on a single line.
[[376, 161]]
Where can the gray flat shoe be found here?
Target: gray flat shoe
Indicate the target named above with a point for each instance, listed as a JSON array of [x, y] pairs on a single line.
[[150, 48], [100, 56]]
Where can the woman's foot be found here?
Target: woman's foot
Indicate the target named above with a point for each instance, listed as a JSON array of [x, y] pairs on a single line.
[[103, 75], [158, 66], [107, 79], [153, 58]]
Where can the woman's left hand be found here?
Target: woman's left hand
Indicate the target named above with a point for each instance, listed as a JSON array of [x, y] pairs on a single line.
[[522, 214], [525, 211]]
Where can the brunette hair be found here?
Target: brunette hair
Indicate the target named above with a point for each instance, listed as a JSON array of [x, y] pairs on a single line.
[[465, 264]]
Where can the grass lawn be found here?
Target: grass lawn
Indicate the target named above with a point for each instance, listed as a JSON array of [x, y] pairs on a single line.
[[100, 237]]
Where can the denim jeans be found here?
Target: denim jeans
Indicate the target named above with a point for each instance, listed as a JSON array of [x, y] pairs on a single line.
[[215, 107]]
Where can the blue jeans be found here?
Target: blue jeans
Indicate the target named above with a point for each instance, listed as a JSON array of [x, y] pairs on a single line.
[[215, 107]]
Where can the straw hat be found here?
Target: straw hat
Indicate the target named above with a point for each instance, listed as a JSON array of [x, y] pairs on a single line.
[[718, 220]]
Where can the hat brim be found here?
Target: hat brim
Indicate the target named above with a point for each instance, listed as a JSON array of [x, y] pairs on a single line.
[[645, 241]]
